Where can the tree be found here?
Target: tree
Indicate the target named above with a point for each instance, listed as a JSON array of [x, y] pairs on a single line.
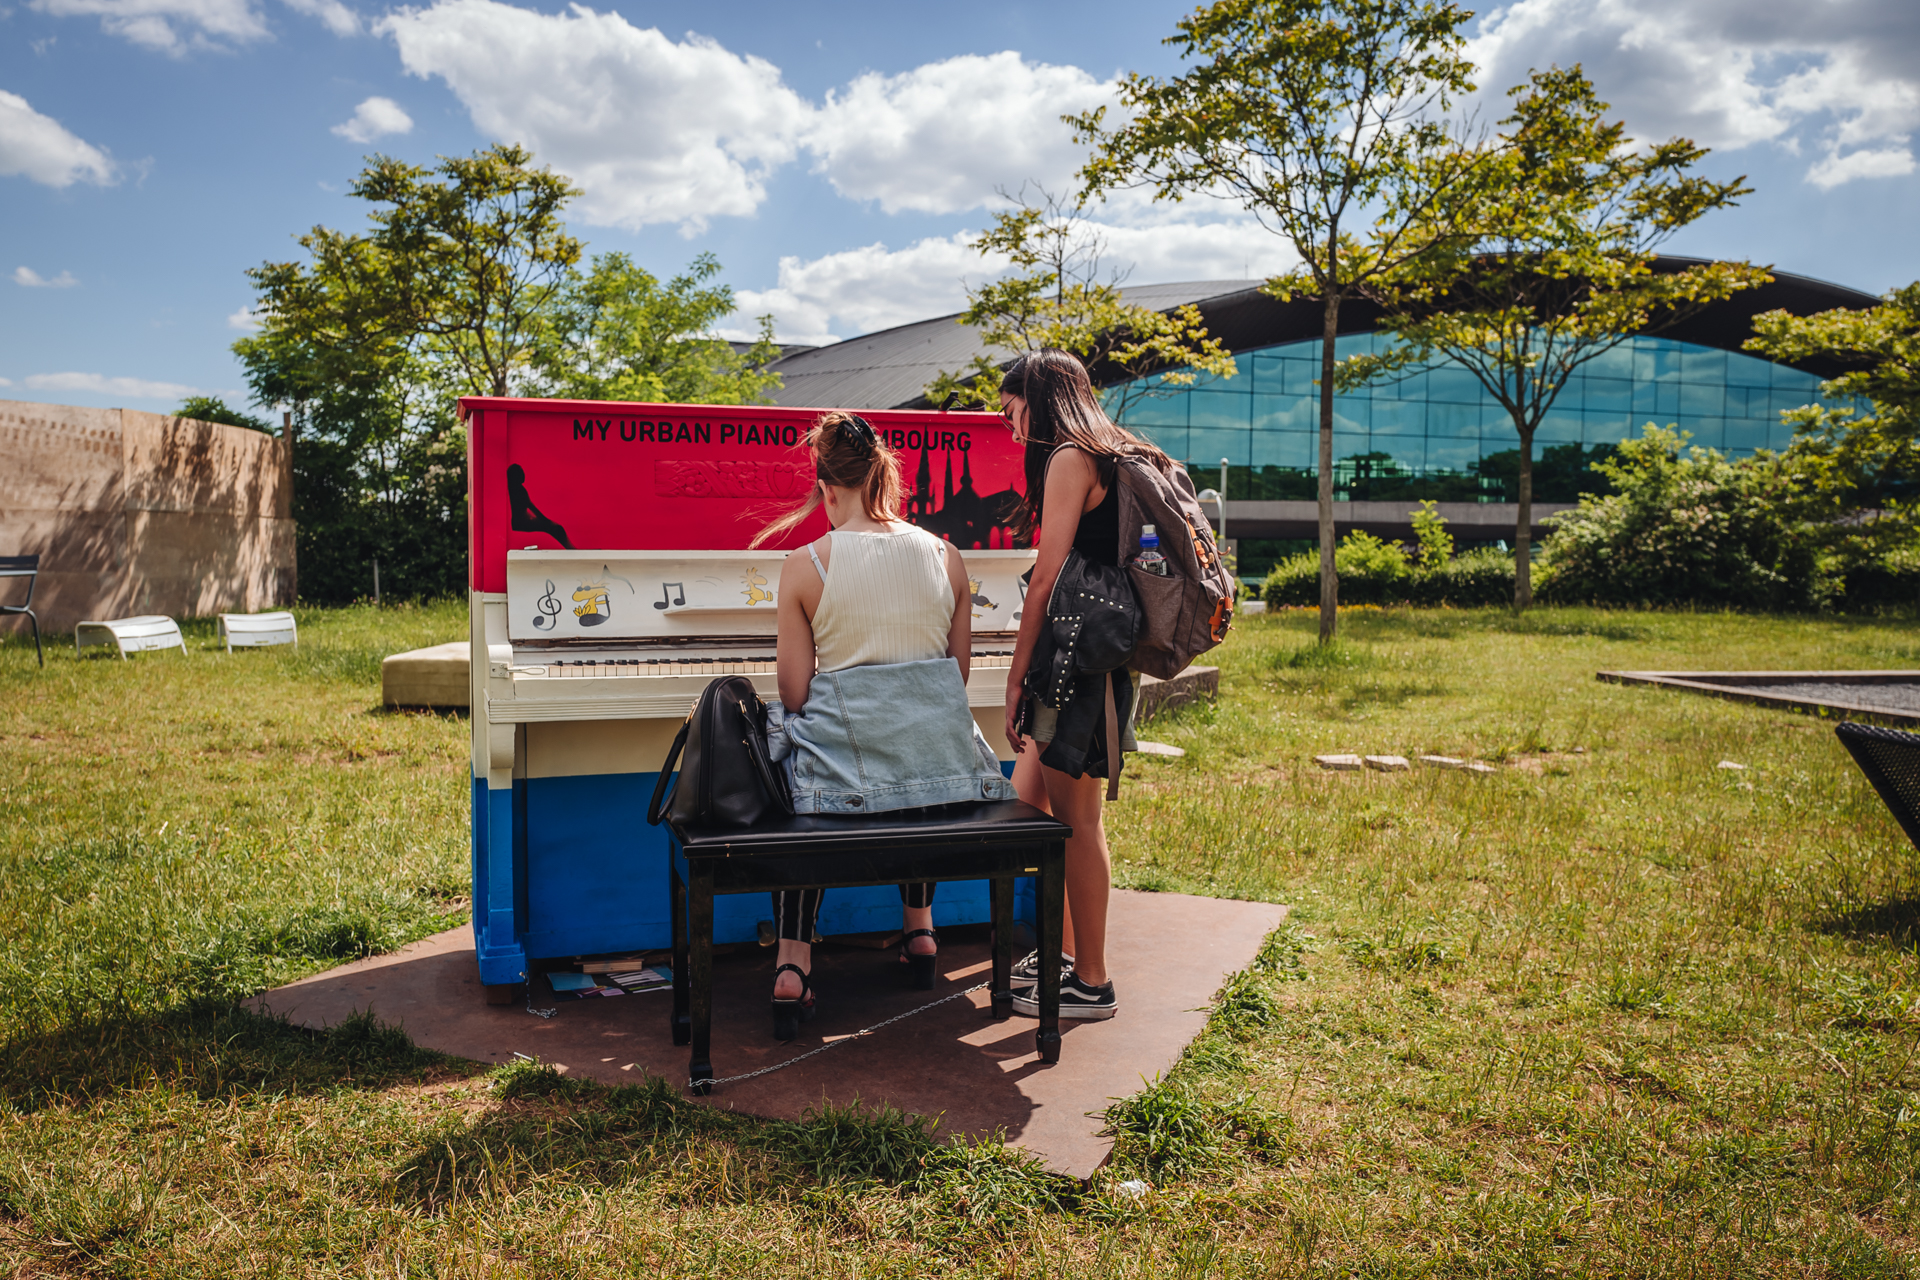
[[1560, 272], [1882, 343], [1326, 120], [465, 283], [1061, 296], [214, 409], [619, 334]]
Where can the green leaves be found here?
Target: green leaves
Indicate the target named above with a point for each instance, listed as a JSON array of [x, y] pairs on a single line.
[[1061, 299], [618, 333], [1880, 347]]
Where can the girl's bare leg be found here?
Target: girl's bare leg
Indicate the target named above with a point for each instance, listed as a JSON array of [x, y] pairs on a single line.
[[918, 918], [787, 985], [1077, 802]]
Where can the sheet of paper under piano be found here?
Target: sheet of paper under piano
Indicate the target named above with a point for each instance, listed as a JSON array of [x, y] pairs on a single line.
[[585, 661]]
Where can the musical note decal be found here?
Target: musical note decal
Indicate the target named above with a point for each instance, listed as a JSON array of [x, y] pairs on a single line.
[[549, 607], [1023, 598], [756, 592], [973, 587], [596, 605], [677, 600]]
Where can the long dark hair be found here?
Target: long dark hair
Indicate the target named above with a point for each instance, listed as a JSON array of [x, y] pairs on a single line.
[[1062, 410], [848, 453]]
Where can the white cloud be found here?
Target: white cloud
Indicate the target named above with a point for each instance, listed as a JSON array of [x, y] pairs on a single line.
[[246, 319], [652, 130], [656, 130], [6, 382], [868, 288], [860, 290], [375, 118], [1836, 169], [1837, 78], [338, 18], [28, 278], [100, 384], [940, 138], [170, 26], [40, 148]]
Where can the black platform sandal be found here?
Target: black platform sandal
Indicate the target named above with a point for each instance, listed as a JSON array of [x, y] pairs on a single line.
[[789, 1014], [919, 969]]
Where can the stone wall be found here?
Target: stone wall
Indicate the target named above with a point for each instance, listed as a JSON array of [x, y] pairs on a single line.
[[135, 512]]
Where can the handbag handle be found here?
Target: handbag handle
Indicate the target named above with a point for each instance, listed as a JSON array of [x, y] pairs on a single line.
[[661, 796]]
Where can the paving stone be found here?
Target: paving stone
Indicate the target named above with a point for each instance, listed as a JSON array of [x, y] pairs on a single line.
[[1338, 762], [1159, 749], [1728, 764], [1388, 764], [1444, 762], [1478, 766]]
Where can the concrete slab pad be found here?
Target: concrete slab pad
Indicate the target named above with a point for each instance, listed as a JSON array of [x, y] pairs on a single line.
[[430, 677], [1387, 764], [1341, 762], [1170, 953]]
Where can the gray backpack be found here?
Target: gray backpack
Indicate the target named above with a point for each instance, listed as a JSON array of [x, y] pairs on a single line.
[[1188, 613]]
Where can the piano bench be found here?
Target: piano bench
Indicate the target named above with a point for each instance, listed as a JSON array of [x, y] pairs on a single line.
[[998, 841]]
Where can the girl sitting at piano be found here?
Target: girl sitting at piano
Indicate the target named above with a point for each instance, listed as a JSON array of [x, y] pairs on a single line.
[[875, 641]]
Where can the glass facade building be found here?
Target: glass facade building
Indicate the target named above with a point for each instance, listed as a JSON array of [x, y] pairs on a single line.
[[1436, 429]]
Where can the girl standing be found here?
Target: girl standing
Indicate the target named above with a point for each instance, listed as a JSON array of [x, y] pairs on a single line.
[[1073, 501]]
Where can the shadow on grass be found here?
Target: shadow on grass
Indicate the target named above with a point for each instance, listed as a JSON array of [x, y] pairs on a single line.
[[1896, 921], [207, 1049], [548, 1127]]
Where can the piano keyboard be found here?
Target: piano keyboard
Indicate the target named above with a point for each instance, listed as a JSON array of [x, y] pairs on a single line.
[[642, 668]]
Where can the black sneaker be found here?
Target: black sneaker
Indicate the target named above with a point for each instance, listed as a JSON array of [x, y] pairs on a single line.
[[1026, 970], [1077, 1000]]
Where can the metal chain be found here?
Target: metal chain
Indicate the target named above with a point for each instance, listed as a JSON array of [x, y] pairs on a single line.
[[835, 1044]]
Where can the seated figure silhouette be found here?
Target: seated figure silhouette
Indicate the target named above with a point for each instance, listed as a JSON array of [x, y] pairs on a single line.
[[525, 517]]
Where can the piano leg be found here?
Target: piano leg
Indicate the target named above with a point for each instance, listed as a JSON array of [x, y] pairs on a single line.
[[1001, 890], [1052, 910], [678, 1019], [700, 962]]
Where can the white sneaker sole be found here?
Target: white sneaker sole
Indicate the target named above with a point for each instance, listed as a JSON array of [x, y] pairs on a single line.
[[1028, 1002]]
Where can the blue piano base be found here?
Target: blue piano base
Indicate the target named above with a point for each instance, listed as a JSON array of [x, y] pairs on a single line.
[[568, 866]]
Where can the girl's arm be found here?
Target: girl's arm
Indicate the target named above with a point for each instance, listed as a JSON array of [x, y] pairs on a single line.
[[960, 634], [1071, 479], [794, 657]]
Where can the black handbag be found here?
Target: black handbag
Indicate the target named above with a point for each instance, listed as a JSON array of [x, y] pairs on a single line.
[[727, 778], [1092, 631]]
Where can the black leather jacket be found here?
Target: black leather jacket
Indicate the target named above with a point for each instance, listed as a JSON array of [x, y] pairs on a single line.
[[1091, 631]]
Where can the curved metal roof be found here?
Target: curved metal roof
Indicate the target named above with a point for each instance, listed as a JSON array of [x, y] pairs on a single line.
[[888, 369]]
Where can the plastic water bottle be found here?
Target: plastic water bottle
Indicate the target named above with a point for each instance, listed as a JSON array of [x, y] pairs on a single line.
[[1150, 557]]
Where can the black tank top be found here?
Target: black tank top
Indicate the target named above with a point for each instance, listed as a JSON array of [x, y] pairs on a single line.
[[1098, 535]]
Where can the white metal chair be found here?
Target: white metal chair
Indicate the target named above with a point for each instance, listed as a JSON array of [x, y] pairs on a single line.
[[130, 635], [254, 630]]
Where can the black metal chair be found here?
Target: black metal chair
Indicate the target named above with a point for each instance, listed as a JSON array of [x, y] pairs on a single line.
[[1891, 761], [27, 567]]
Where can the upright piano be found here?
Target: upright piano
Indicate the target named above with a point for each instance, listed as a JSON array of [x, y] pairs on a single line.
[[609, 583]]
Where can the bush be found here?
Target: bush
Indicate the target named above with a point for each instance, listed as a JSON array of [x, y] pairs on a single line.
[[1693, 529], [1890, 581], [1376, 572]]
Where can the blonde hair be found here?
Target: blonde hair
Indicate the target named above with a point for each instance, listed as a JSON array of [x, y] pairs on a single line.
[[850, 454]]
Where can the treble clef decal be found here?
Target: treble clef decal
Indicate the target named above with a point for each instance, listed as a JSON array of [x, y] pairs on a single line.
[[549, 607]]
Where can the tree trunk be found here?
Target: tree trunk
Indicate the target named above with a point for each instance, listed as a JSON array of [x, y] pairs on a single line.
[[1523, 527], [1329, 577]]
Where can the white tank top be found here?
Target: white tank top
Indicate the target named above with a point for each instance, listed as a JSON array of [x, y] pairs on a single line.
[[886, 599]]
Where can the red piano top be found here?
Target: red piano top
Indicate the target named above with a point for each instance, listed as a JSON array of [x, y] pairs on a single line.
[[603, 476]]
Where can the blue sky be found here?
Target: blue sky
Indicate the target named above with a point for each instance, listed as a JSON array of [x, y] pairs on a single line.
[[833, 156]]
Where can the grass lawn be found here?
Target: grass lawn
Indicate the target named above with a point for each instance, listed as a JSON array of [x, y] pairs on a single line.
[[1611, 1010]]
